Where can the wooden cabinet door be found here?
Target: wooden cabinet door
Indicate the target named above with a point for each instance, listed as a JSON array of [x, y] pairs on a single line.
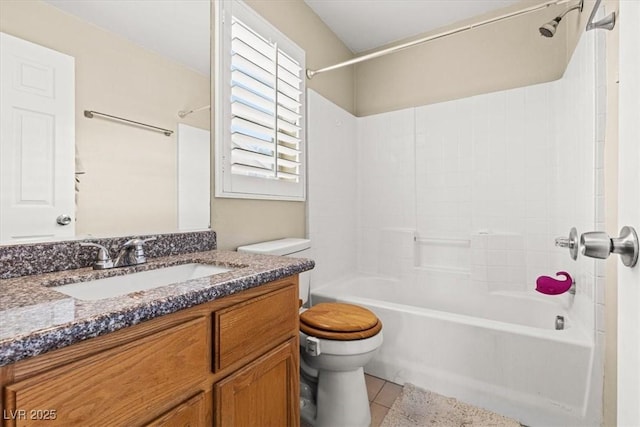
[[264, 393], [191, 413]]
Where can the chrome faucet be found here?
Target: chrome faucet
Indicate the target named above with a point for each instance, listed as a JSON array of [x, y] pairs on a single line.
[[103, 259], [132, 253]]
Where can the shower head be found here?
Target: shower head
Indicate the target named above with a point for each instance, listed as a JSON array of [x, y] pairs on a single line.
[[549, 29]]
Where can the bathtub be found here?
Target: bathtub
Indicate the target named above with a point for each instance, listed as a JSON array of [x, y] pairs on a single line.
[[499, 351]]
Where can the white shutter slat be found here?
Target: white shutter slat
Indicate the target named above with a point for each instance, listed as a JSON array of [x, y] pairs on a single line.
[[245, 96], [251, 171], [241, 31], [288, 90], [253, 71], [287, 62], [288, 77], [288, 128], [246, 112], [249, 158], [247, 52], [288, 163], [288, 139], [256, 145], [288, 176], [289, 103], [246, 127], [287, 151], [287, 115], [249, 83]]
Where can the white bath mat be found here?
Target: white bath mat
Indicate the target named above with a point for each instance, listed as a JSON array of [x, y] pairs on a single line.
[[418, 407]]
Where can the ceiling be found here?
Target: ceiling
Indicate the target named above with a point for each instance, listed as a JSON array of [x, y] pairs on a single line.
[[367, 24], [177, 29], [180, 29]]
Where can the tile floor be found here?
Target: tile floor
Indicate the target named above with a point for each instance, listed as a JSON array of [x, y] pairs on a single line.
[[382, 394]]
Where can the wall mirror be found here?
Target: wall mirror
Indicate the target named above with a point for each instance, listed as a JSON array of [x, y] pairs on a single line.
[[147, 61]]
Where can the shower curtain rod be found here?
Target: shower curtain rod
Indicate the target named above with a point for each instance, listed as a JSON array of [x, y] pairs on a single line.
[[184, 113], [310, 73]]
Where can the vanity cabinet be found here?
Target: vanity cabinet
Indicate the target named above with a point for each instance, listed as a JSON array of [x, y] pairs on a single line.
[[229, 362], [262, 393]]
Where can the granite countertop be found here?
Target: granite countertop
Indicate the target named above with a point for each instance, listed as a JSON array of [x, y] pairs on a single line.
[[35, 318]]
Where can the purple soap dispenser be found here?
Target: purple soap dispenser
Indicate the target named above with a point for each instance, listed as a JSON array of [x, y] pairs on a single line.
[[552, 286]]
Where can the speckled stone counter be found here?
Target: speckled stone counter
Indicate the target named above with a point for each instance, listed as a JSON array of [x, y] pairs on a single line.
[[38, 258], [35, 318]]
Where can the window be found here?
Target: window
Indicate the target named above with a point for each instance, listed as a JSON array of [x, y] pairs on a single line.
[[260, 106]]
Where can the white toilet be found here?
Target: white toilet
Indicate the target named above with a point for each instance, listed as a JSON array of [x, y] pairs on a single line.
[[336, 341]]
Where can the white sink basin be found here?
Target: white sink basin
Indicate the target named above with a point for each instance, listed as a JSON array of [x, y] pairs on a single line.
[[122, 285]]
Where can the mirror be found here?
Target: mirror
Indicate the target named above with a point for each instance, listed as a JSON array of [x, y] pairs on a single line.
[[140, 60]]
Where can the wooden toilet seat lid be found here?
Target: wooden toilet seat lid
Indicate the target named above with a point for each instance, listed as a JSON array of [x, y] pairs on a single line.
[[339, 321]]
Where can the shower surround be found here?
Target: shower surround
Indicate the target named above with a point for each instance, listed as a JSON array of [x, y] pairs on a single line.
[[472, 191]]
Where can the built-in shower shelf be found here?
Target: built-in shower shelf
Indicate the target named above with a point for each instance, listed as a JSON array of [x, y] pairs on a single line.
[[446, 254], [442, 269], [446, 241]]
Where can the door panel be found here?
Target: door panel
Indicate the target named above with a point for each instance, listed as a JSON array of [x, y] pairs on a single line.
[[37, 141], [264, 393], [629, 214]]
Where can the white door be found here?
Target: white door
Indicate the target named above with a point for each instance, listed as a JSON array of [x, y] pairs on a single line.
[[194, 188], [37, 142], [629, 214]]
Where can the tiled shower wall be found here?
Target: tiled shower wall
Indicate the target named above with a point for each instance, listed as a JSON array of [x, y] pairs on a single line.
[[479, 186], [486, 183], [332, 184]]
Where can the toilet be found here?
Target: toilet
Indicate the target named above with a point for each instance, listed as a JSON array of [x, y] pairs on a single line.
[[336, 341]]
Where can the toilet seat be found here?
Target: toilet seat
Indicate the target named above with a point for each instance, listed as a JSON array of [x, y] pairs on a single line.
[[340, 322]]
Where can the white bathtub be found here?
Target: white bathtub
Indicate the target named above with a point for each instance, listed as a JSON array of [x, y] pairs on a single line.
[[500, 351]]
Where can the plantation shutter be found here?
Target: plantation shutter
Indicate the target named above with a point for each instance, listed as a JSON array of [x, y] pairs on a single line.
[[263, 127]]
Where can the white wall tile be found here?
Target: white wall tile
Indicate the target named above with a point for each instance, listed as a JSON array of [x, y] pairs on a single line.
[[518, 165], [332, 189]]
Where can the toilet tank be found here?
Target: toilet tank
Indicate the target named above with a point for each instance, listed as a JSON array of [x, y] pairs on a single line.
[[292, 247]]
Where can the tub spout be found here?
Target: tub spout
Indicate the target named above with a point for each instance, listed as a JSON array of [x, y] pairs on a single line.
[[553, 286]]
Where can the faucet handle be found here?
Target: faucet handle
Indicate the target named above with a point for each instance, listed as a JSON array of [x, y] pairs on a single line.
[[103, 259], [138, 256], [137, 242]]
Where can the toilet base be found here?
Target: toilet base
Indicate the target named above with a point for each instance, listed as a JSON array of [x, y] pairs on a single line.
[[342, 399]]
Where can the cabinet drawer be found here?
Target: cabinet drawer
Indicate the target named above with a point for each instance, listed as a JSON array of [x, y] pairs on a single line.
[[257, 325], [121, 386]]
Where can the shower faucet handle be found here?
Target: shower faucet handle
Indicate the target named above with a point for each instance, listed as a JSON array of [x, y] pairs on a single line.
[[570, 242]]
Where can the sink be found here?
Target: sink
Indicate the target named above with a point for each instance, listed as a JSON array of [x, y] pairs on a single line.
[[109, 287]]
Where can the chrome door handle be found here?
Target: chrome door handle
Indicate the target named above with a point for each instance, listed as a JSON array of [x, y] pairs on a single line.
[[63, 219], [598, 244]]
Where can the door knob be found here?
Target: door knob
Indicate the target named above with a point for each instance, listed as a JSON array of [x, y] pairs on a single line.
[[595, 244], [598, 244], [63, 219]]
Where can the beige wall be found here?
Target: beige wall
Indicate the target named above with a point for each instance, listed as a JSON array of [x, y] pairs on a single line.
[[109, 72], [499, 56], [130, 182], [239, 222]]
